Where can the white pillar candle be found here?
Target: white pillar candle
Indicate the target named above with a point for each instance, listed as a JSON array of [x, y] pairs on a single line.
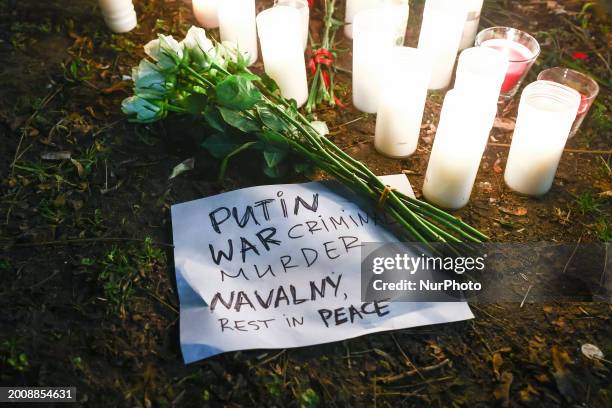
[[470, 28], [280, 36], [481, 70], [373, 39], [545, 116], [354, 7], [441, 31], [402, 102], [463, 131], [119, 15], [205, 12], [304, 9], [237, 25]]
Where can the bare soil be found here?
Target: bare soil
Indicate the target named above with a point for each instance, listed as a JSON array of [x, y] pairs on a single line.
[[87, 302]]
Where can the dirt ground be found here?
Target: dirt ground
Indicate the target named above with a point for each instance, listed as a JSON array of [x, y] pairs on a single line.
[[88, 295]]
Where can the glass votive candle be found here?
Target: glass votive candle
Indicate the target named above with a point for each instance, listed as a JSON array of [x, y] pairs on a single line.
[[205, 11], [585, 85], [302, 7], [481, 70], [441, 32], [465, 123], [354, 7], [373, 39], [520, 48], [402, 102], [470, 27], [237, 26], [545, 116], [280, 36]]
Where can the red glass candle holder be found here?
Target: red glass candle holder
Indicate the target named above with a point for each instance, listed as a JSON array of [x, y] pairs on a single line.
[[521, 49]]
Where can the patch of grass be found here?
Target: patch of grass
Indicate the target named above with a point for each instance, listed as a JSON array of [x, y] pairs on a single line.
[[12, 356], [309, 399], [77, 70], [275, 386], [53, 211], [587, 204], [603, 229], [122, 268]]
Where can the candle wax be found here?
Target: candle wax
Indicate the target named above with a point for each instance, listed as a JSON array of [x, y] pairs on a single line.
[[519, 56]]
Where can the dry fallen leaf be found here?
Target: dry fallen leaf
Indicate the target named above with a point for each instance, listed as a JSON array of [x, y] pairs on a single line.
[[497, 168], [497, 361], [502, 390], [505, 124], [519, 211]]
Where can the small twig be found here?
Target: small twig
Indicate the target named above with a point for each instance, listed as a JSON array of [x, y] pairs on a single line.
[[169, 306], [272, 358], [571, 256], [410, 373], [349, 122], [408, 361], [602, 280], [526, 294]]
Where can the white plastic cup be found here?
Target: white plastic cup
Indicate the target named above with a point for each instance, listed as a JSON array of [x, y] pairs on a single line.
[[237, 26], [373, 38], [465, 123], [546, 113], [119, 15], [481, 70], [280, 36], [402, 102], [304, 9], [206, 12], [354, 7], [470, 28], [441, 32]]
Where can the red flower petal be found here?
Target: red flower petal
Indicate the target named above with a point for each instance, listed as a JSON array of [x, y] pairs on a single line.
[[578, 55]]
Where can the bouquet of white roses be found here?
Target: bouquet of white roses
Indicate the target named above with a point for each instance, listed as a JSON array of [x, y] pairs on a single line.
[[212, 82]]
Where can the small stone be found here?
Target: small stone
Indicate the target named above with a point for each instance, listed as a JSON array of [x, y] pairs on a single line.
[[592, 351]]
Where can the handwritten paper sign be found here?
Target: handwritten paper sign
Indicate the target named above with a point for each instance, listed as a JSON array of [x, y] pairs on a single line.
[[279, 266]]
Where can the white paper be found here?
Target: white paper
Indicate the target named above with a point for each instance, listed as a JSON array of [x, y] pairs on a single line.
[[272, 304]]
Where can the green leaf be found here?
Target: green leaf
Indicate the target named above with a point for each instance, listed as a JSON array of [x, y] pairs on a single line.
[[239, 121], [214, 118], [272, 172], [302, 168], [269, 83], [196, 103], [273, 138], [237, 92], [249, 76], [220, 145], [270, 119], [186, 165], [273, 156], [233, 153]]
